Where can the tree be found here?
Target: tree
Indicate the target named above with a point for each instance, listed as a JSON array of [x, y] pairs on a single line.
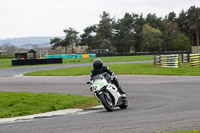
[[12, 49], [151, 39], [184, 26], [193, 16], [172, 16], [87, 38], [179, 43], [104, 31], [170, 31], [58, 42], [124, 33], [8, 48], [139, 21], [183, 22], [154, 21], [71, 38]]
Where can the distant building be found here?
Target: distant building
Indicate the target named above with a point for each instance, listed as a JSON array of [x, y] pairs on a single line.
[[24, 54]]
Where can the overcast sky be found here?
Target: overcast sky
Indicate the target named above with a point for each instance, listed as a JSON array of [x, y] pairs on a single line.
[[25, 18]]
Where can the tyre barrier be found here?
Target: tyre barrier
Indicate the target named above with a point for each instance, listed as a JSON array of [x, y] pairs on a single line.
[[185, 58], [169, 61], [195, 60], [16, 62]]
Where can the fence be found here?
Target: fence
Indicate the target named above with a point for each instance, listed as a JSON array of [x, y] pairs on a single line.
[[169, 61], [141, 53], [195, 60]]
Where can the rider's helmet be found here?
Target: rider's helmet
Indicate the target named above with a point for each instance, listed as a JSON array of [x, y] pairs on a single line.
[[98, 64]]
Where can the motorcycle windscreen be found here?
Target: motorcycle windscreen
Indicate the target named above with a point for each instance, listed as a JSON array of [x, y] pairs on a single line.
[[99, 76]]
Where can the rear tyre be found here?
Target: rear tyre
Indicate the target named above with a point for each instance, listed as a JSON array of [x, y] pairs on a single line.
[[107, 102]]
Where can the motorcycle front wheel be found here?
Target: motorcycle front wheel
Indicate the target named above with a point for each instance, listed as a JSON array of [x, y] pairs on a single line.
[[107, 102], [124, 104]]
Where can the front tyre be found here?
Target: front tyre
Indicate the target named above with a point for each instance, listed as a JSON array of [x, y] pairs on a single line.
[[107, 102], [124, 104]]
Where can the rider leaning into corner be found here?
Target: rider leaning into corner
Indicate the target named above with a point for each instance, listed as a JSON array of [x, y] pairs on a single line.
[[99, 68]]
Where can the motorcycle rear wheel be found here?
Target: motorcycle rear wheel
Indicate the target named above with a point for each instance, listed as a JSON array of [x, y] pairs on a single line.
[[107, 103]]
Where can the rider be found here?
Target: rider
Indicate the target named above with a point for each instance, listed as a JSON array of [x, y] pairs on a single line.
[[99, 68]]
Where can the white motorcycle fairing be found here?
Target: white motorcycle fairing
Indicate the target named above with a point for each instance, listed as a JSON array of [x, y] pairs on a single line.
[[112, 98]]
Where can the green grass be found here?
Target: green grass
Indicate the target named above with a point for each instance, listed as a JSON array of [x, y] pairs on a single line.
[[7, 56], [193, 131], [108, 59], [75, 71], [7, 63], [19, 104], [127, 69]]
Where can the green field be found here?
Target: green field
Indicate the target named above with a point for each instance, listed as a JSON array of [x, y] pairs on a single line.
[[19, 104], [109, 59], [193, 131], [127, 69], [7, 63]]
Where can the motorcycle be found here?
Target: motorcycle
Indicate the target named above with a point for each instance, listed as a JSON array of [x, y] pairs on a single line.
[[107, 93]]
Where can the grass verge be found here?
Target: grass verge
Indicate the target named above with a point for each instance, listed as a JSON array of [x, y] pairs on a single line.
[[127, 69], [19, 104], [108, 59], [7, 63], [193, 131]]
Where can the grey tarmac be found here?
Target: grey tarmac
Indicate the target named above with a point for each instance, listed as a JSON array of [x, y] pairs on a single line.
[[156, 103]]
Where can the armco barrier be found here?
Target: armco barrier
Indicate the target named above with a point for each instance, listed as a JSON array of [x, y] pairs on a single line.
[[79, 56], [72, 56], [36, 61], [195, 60], [170, 61], [92, 55], [85, 55]]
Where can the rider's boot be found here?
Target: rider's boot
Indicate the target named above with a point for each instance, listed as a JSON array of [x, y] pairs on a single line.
[[121, 91]]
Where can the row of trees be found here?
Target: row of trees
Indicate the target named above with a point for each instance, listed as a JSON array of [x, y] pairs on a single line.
[[8, 49], [136, 33]]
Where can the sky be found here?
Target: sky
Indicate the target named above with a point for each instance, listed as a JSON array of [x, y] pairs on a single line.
[[27, 18]]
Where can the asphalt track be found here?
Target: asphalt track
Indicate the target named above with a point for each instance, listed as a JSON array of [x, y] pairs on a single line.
[[156, 103]]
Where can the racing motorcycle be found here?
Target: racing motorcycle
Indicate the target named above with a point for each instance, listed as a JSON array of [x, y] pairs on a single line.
[[107, 93]]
